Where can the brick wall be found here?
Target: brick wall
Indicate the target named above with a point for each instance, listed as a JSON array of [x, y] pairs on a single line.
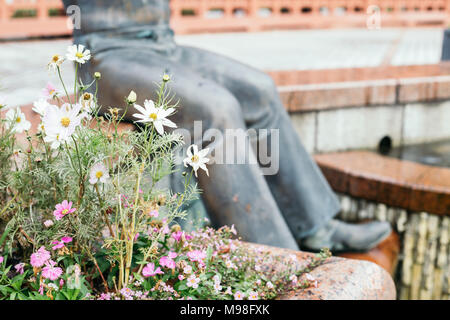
[[25, 18]]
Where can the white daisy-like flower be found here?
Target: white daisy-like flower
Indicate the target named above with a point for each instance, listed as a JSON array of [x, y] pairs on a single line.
[[56, 62], [53, 137], [98, 173], [41, 106], [60, 123], [197, 159], [157, 116], [78, 53], [87, 102], [17, 121]]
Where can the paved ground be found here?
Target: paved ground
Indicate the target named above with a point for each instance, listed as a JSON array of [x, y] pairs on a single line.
[[23, 73]]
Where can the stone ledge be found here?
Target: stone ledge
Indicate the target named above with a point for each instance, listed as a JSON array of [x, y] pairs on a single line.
[[341, 279], [311, 90], [397, 183]]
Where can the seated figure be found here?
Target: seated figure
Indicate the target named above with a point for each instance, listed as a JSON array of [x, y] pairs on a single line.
[[133, 46]]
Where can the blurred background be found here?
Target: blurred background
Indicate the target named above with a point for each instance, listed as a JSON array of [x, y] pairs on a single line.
[[367, 86]]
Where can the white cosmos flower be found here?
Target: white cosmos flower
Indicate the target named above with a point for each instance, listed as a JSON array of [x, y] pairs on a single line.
[[99, 172], [56, 62], [157, 116], [197, 159], [78, 53], [17, 120], [41, 106], [53, 137], [60, 123]]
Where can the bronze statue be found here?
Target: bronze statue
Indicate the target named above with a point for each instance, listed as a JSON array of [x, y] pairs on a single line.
[[133, 46]]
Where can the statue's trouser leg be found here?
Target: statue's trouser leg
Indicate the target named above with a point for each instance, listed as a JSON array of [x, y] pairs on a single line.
[[233, 194], [299, 188]]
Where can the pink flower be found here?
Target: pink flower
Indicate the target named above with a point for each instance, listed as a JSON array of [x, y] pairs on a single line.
[[48, 223], [61, 283], [1, 259], [41, 289], [233, 230], [57, 245], [177, 235], [196, 255], [239, 296], [193, 281], [19, 268], [181, 277], [154, 213], [63, 209], [167, 262], [61, 244], [50, 271], [136, 237], [149, 270], [39, 258], [66, 239], [172, 255], [49, 91]]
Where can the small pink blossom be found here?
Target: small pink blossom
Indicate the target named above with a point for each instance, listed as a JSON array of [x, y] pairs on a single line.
[[1, 259], [193, 281], [154, 213], [41, 289], [66, 239], [19, 268], [253, 295], [149, 270], [239, 296], [50, 271], [181, 277], [57, 245], [49, 91], [172, 255], [167, 262], [48, 223], [61, 244], [196, 256], [177, 235], [63, 209], [39, 258]]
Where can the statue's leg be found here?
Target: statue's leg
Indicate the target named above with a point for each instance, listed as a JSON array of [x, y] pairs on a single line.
[[233, 194], [301, 191]]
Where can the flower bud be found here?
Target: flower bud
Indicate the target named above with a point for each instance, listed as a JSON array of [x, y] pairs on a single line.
[[166, 78], [98, 75], [132, 97]]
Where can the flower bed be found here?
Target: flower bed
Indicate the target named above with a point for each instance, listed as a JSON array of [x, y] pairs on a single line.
[[82, 215]]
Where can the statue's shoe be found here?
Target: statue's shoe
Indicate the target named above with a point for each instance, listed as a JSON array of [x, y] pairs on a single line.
[[339, 236]]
